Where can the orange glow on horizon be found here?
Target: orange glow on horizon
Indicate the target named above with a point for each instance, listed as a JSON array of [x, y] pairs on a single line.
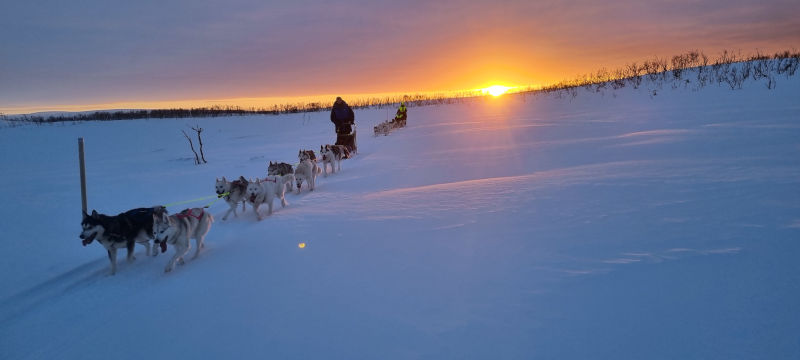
[[496, 90], [244, 103]]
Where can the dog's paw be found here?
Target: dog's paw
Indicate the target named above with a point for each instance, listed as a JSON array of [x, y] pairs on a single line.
[[181, 262], [168, 269]]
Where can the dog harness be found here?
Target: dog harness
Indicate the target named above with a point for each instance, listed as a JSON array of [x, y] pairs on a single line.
[[271, 180], [188, 213]]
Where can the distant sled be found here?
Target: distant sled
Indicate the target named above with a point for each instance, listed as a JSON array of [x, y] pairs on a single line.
[[388, 126]]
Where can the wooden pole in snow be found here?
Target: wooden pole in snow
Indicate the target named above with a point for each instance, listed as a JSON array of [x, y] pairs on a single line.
[[83, 174]]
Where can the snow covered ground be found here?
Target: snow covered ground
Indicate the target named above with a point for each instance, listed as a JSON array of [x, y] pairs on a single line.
[[614, 225]]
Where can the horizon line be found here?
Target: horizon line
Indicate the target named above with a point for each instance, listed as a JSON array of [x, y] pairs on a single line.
[[246, 103]]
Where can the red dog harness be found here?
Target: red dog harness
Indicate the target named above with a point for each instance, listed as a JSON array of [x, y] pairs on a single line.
[[188, 213]]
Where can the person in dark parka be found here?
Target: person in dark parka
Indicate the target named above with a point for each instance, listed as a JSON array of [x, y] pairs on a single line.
[[343, 117]]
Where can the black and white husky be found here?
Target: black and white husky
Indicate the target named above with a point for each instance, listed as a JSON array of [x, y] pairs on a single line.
[[234, 193], [120, 231], [281, 169], [333, 154], [178, 229], [261, 191]]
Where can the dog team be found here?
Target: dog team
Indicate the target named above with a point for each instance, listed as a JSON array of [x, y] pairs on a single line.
[[399, 121], [143, 224]]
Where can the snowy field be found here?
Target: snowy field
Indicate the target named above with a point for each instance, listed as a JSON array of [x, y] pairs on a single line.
[[619, 225]]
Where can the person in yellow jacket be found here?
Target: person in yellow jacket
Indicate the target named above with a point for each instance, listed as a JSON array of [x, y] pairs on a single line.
[[402, 114]]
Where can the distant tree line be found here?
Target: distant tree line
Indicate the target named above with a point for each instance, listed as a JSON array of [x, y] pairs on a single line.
[[691, 68], [220, 111]]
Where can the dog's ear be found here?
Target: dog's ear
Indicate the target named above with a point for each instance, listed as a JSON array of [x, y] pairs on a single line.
[[85, 215], [94, 214]]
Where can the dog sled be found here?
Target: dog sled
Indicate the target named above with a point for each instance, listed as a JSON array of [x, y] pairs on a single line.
[[388, 126], [348, 140]]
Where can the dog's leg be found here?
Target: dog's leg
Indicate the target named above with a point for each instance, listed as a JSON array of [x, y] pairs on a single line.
[[270, 207], [200, 238], [147, 246], [232, 208], [130, 244], [198, 243], [255, 208], [181, 249], [282, 195], [188, 242], [112, 256]]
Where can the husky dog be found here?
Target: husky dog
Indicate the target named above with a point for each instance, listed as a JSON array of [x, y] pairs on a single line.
[[233, 192], [178, 229], [277, 168], [120, 231], [307, 170], [280, 169], [307, 155], [333, 154], [264, 191], [383, 128]]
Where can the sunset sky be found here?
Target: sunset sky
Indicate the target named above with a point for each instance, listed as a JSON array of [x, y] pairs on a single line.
[[64, 55]]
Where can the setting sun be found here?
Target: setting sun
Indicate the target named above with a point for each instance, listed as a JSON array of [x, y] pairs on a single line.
[[496, 90]]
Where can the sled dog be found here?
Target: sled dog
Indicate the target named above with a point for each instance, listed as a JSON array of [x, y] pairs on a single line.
[[264, 191], [383, 128], [306, 155], [235, 191], [307, 170], [178, 229], [280, 169], [119, 231], [333, 154]]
